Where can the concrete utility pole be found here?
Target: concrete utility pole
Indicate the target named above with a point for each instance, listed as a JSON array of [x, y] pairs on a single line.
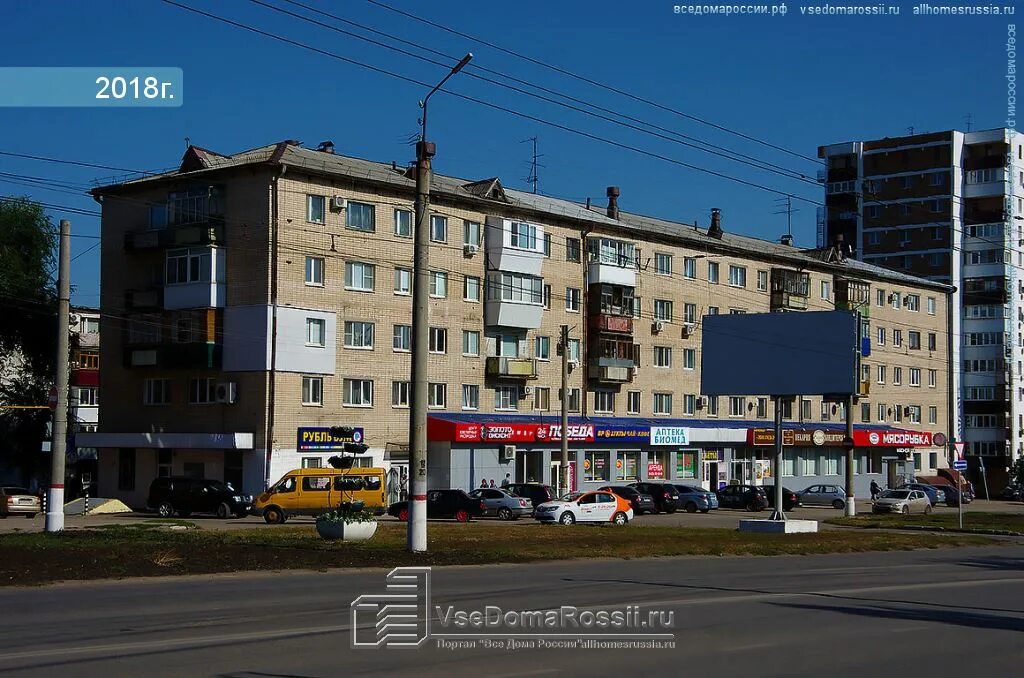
[[563, 467], [778, 513], [416, 538], [58, 448], [851, 500]]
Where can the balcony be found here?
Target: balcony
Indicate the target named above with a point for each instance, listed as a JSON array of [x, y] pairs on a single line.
[[611, 262], [613, 375], [175, 356], [511, 368], [790, 290], [144, 300], [985, 182], [175, 236], [615, 324], [614, 353], [85, 377]]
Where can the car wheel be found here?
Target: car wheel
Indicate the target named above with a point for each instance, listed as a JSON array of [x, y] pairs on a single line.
[[927, 509], [707, 510], [504, 514], [165, 510], [462, 516], [403, 515], [223, 511], [670, 509], [839, 504], [906, 510], [691, 507], [567, 518], [752, 507], [273, 515], [620, 518]]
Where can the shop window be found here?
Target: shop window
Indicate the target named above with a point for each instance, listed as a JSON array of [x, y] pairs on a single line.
[[656, 465], [627, 466], [686, 464], [595, 466]]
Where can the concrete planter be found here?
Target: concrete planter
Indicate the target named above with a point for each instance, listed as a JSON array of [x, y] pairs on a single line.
[[346, 531]]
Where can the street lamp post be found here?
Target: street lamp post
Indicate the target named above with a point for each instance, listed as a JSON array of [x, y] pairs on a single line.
[[417, 528]]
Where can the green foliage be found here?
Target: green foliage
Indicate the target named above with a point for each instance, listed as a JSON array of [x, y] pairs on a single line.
[[1017, 472]]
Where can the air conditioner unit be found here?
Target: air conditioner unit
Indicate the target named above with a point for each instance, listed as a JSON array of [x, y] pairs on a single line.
[[470, 249], [226, 392], [688, 330], [508, 453], [700, 403], [892, 298], [339, 203], [906, 301], [527, 390], [657, 326]]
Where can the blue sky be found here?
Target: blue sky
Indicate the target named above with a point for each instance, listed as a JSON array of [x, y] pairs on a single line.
[[796, 81]]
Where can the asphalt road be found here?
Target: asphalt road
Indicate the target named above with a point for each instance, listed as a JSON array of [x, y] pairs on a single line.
[[924, 613]]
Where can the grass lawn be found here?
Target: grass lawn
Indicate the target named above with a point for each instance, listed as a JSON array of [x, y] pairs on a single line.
[[152, 549], [972, 521]]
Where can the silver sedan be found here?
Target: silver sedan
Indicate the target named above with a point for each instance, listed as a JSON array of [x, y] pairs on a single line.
[[502, 503], [902, 501], [823, 495]]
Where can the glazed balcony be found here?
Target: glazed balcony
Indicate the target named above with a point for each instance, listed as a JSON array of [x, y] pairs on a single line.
[[175, 356], [511, 368]]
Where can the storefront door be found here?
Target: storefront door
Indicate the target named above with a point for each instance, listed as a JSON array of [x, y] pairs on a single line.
[[530, 468], [710, 475]]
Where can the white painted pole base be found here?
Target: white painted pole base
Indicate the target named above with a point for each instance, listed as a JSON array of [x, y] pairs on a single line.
[[851, 506], [418, 525], [55, 510]]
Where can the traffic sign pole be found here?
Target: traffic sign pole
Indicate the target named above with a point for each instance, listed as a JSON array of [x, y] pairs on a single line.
[[960, 465]]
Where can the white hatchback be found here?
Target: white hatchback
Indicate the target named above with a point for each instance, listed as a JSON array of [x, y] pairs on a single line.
[[586, 507]]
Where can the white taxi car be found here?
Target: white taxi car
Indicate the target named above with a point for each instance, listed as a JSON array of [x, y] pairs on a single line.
[[586, 507]]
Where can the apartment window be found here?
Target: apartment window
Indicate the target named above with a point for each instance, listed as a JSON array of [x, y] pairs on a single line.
[[515, 287], [826, 289], [202, 391], [523, 236], [662, 356], [897, 338], [546, 296], [358, 334], [156, 392], [895, 299], [359, 276], [880, 297], [805, 410], [470, 397], [663, 403], [90, 360], [604, 401], [315, 208], [689, 267], [762, 281], [574, 350], [663, 310], [826, 410], [689, 404], [933, 414], [572, 299], [402, 338], [787, 408], [881, 336], [403, 223], [572, 249], [712, 310], [315, 331], [403, 281], [542, 348], [913, 302], [915, 376], [871, 211], [873, 237], [400, 394], [438, 340], [315, 271], [357, 393], [737, 406], [689, 313], [313, 391], [914, 414], [865, 412], [737, 276], [897, 376], [914, 340], [542, 398], [881, 412], [471, 233], [506, 398], [438, 228], [713, 272], [547, 245], [931, 378], [471, 289], [930, 305], [712, 406], [662, 263], [637, 307], [90, 326], [573, 401], [633, 402], [881, 374], [438, 284], [360, 216], [904, 209], [932, 341], [437, 395], [762, 408], [689, 358], [189, 266], [470, 343]]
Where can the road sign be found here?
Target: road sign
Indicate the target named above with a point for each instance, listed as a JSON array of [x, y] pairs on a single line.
[[960, 465], [53, 398], [959, 447]]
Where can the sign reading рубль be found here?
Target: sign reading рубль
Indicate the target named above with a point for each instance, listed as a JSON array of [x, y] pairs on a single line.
[[320, 438]]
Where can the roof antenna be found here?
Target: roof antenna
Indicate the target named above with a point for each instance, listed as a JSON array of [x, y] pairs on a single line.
[[533, 178], [188, 141]]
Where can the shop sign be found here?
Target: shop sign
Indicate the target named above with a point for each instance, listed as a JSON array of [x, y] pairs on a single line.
[[892, 438], [623, 434], [818, 438], [320, 438], [655, 470], [765, 437], [521, 433], [711, 455], [670, 435]]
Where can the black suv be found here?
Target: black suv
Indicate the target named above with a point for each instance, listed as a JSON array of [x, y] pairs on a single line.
[[183, 496], [537, 493], [665, 495], [443, 504], [749, 497]]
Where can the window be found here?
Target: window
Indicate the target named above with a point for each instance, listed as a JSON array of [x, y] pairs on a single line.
[[471, 289], [737, 406], [930, 305], [547, 245], [402, 338], [712, 406], [596, 466], [713, 272], [471, 233], [865, 412], [914, 340], [826, 289], [663, 403], [689, 404], [689, 358], [897, 338], [762, 408], [881, 374], [90, 360], [438, 395], [315, 208], [873, 237], [403, 281], [805, 410], [357, 393], [572, 299], [690, 313], [359, 276], [662, 263], [470, 343], [156, 392], [906, 182], [400, 394], [312, 462], [507, 346], [403, 223], [573, 401], [762, 281], [633, 402], [438, 228], [689, 267], [933, 414], [912, 302], [438, 284], [628, 466], [881, 412], [915, 376], [358, 334], [315, 331], [438, 340], [931, 378], [574, 350], [809, 463], [663, 310], [523, 236], [604, 401], [914, 414], [470, 397], [881, 336], [572, 249], [360, 216], [932, 341], [313, 391], [871, 211], [880, 297], [516, 287], [546, 299], [897, 376], [90, 326], [737, 276], [189, 266], [662, 356], [831, 459], [895, 299], [826, 410], [315, 271], [202, 391], [787, 408], [788, 463], [541, 398], [542, 348], [506, 397]]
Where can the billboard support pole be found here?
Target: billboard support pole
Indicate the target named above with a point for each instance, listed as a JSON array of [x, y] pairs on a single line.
[[778, 513]]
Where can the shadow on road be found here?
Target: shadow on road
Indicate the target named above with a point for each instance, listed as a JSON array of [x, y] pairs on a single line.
[[979, 620], [996, 563]]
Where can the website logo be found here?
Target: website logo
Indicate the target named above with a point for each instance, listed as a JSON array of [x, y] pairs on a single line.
[[397, 618]]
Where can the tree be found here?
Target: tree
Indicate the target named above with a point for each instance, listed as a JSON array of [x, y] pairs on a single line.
[[1017, 472], [28, 346]]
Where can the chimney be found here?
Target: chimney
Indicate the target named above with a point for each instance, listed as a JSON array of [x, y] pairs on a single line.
[[326, 147], [613, 193], [787, 240], [588, 204], [840, 247], [715, 229]]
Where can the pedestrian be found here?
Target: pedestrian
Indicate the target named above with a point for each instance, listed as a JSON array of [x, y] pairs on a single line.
[[507, 481], [875, 490], [483, 484], [492, 482]]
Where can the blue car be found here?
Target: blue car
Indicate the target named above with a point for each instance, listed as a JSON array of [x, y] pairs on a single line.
[[693, 499]]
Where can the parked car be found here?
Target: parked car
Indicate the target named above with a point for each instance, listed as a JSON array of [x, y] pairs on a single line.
[[665, 495], [749, 497], [1012, 493], [586, 507], [312, 491], [790, 499], [935, 495], [823, 495], [18, 501], [693, 499], [953, 495], [183, 496], [444, 504], [502, 504], [640, 503], [905, 501], [537, 493]]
